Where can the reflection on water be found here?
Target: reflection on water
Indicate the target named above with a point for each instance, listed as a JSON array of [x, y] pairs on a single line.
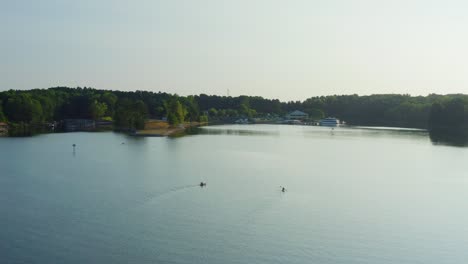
[[354, 195], [450, 136], [236, 132], [27, 130], [350, 131], [311, 131], [224, 130]]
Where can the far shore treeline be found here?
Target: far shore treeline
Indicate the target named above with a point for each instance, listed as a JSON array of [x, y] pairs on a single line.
[[129, 110]]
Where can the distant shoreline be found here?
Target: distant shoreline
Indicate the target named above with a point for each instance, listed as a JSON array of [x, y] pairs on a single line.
[[159, 128]]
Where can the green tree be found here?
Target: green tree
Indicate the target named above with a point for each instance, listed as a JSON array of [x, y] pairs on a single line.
[[160, 111], [2, 115], [203, 119], [110, 99], [191, 108], [77, 105], [221, 113], [23, 108], [172, 119], [315, 113], [436, 115], [175, 111], [48, 107], [131, 114], [97, 109], [232, 113], [244, 110], [449, 114], [213, 112]]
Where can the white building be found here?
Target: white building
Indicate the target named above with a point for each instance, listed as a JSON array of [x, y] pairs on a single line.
[[297, 115]]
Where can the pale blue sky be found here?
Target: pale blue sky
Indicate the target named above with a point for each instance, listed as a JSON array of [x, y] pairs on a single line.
[[291, 49]]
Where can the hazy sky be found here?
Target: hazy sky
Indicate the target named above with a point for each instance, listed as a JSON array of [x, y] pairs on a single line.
[[290, 49]]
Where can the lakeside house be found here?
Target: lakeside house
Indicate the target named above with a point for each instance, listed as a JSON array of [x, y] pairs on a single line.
[[297, 115], [3, 129]]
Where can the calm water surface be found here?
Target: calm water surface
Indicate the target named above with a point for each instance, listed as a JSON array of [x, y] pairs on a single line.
[[353, 196]]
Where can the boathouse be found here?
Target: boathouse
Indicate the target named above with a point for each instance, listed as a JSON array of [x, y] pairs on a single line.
[[297, 115]]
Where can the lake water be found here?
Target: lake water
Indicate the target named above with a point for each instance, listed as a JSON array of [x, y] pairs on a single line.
[[353, 195]]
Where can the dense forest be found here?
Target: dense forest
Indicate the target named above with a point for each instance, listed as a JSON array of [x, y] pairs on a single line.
[[131, 109]]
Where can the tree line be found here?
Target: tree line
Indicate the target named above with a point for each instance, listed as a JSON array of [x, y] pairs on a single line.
[[131, 109]]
